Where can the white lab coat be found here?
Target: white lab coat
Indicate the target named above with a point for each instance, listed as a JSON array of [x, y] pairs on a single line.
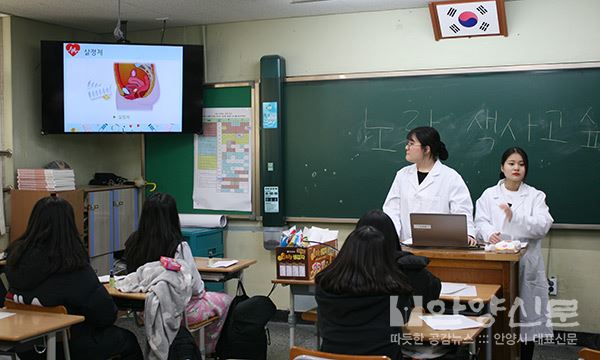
[[443, 191], [530, 223]]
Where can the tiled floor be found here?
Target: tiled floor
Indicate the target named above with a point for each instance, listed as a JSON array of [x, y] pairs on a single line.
[[306, 337]]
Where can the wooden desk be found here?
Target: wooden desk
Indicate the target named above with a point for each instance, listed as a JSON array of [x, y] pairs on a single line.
[[481, 267], [29, 325], [135, 300], [417, 330], [222, 274], [307, 287], [485, 292], [114, 292]]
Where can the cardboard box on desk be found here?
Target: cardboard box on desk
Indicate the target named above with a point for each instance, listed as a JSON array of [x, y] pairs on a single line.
[[298, 263]]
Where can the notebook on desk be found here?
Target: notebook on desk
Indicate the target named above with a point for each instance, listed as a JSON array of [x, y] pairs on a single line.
[[439, 230]]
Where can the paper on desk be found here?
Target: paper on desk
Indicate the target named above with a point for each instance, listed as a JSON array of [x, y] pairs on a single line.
[[457, 289], [105, 278], [4, 315], [470, 290], [223, 263], [212, 276], [451, 288], [407, 242], [449, 322]]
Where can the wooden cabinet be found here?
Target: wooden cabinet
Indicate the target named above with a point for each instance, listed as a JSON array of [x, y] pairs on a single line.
[[104, 215], [22, 202]]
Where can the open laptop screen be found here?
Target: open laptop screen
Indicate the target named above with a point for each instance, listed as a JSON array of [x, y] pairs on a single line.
[[439, 230]]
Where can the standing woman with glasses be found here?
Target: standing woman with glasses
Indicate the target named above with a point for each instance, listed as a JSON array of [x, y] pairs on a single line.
[[427, 186]]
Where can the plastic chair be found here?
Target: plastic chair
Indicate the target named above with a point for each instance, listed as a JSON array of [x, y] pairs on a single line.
[[11, 305], [589, 354], [298, 353]]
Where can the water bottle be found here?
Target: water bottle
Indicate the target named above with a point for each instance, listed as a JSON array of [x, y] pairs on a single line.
[[111, 279]]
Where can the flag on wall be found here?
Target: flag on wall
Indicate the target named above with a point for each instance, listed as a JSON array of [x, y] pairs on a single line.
[[468, 18]]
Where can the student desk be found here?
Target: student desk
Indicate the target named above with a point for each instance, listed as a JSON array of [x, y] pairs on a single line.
[[481, 267], [485, 293], [29, 325], [135, 301], [417, 329], [234, 271]]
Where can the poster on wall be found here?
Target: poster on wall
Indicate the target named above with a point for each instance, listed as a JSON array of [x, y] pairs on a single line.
[[223, 161]]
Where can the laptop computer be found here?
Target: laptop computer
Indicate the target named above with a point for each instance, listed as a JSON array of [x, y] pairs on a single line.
[[439, 230]]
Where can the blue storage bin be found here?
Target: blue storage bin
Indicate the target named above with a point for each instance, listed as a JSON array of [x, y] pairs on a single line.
[[204, 242]]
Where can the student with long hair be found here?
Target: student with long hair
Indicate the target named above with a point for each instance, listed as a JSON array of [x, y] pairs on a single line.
[[427, 186], [48, 266], [513, 210], [354, 293], [423, 283], [159, 234], [425, 286]]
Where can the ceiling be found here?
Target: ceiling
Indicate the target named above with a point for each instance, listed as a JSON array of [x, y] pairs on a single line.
[[100, 16]]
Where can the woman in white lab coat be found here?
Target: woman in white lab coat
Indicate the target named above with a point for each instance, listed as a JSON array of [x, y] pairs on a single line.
[[514, 210], [427, 186]]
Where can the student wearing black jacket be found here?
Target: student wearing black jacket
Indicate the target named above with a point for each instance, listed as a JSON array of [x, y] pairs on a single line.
[[49, 266], [354, 294], [424, 284]]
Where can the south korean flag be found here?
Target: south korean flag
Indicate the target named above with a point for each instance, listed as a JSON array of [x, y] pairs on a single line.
[[468, 19]]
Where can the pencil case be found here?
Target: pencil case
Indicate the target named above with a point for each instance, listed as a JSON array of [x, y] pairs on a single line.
[[170, 263]]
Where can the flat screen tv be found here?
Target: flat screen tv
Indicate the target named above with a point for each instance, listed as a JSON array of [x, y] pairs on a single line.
[[121, 88]]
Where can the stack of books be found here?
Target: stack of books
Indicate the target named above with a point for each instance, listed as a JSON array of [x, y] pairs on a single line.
[[46, 179]]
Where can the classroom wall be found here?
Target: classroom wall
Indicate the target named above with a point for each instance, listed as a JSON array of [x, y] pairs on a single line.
[[378, 41], [403, 40], [86, 154]]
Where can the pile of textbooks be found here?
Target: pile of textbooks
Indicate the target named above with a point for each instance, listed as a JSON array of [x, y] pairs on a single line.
[[46, 179]]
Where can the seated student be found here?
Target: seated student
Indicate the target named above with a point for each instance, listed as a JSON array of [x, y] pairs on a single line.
[[424, 284], [353, 296], [48, 266], [159, 234]]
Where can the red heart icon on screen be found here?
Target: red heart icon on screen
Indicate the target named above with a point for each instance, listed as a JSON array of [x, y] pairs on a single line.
[[73, 49]]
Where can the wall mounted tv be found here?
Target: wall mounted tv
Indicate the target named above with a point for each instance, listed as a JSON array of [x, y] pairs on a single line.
[[121, 88]]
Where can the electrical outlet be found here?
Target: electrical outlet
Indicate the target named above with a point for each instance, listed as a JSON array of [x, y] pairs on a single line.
[[552, 285]]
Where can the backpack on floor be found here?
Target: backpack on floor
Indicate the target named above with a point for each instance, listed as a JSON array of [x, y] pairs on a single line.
[[244, 334], [183, 346]]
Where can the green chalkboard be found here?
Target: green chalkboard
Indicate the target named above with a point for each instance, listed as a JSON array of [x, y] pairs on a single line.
[[344, 139], [170, 157]]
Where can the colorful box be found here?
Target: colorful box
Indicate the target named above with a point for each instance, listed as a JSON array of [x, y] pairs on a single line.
[[300, 263]]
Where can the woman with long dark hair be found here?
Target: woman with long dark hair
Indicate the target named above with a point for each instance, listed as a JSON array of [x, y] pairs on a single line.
[[513, 210], [425, 286], [48, 266], [354, 294], [159, 234]]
